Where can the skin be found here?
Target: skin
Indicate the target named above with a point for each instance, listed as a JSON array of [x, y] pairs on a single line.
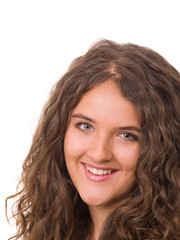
[[103, 133]]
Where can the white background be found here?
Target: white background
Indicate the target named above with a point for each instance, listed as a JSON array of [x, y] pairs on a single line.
[[39, 39]]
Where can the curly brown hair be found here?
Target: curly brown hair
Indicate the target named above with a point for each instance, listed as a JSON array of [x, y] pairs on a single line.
[[48, 205]]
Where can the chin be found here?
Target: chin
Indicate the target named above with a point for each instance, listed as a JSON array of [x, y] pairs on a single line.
[[92, 200]]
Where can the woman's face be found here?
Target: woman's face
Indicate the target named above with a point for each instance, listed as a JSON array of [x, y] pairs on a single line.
[[101, 145]]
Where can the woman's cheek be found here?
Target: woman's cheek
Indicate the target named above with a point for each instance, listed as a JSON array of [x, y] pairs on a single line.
[[127, 154], [74, 142]]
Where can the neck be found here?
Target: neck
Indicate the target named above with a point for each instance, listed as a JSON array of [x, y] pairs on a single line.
[[98, 216]]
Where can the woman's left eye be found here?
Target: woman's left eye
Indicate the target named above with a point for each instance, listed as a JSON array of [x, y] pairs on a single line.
[[86, 127], [128, 136]]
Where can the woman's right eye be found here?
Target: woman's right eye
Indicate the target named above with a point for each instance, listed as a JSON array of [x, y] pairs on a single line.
[[85, 127]]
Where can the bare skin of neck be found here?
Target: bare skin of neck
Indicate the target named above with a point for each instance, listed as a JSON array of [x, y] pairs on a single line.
[[98, 215]]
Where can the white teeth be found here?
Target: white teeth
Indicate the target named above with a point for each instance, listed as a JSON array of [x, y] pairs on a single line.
[[94, 171], [98, 172]]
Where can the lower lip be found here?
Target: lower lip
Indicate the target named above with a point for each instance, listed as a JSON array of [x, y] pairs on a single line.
[[97, 178]]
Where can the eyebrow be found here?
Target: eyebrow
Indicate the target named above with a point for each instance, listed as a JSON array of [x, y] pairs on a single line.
[[126, 128], [130, 128], [83, 117]]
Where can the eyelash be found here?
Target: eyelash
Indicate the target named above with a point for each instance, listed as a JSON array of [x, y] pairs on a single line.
[[132, 137], [80, 124]]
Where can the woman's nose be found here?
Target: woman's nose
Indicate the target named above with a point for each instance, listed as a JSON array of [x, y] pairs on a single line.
[[100, 149]]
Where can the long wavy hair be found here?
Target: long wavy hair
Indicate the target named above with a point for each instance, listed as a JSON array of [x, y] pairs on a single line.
[[49, 206]]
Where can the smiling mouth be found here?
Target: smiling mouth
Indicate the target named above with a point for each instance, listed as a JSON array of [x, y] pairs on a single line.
[[99, 172]]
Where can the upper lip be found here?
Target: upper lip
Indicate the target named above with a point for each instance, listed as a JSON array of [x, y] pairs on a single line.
[[99, 168]]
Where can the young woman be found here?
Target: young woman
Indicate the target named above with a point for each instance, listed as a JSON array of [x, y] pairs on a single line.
[[105, 158]]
